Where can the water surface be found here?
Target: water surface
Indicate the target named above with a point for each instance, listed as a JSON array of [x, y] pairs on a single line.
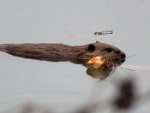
[[65, 85]]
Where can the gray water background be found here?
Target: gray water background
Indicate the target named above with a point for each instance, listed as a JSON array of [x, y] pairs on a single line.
[[65, 85]]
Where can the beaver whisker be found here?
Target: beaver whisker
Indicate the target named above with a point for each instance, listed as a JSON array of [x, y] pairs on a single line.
[[127, 69], [130, 56], [137, 67]]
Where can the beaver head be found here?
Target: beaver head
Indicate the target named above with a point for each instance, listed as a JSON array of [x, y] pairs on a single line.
[[109, 52]]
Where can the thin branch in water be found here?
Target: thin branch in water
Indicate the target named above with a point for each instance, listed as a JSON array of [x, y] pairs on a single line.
[[104, 32]]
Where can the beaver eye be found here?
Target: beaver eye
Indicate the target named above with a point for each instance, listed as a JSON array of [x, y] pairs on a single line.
[[91, 48], [109, 49]]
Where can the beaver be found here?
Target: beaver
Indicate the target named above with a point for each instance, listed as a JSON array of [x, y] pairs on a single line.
[[61, 52]]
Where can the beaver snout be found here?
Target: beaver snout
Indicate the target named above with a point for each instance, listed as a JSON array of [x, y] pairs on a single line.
[[123, 57]]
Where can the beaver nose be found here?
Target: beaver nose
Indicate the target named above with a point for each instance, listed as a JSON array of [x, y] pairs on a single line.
[[123, 55]]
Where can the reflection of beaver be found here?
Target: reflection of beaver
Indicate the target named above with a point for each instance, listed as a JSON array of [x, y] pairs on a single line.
[[61, 52]]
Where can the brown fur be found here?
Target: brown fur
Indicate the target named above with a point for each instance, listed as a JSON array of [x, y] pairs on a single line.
[[61, 52]]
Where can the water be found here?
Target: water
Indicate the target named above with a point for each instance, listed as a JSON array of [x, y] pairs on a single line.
[[63, 86]]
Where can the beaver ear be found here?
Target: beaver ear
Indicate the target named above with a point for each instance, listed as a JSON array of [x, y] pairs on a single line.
[[91, 48]]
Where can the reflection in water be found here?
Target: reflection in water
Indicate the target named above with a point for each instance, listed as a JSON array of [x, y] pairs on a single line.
[[97, 73]]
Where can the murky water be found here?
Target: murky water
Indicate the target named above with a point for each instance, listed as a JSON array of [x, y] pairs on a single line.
[[63, 86]]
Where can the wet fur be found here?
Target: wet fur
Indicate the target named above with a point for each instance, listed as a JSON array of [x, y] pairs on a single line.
[[60, 52]]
